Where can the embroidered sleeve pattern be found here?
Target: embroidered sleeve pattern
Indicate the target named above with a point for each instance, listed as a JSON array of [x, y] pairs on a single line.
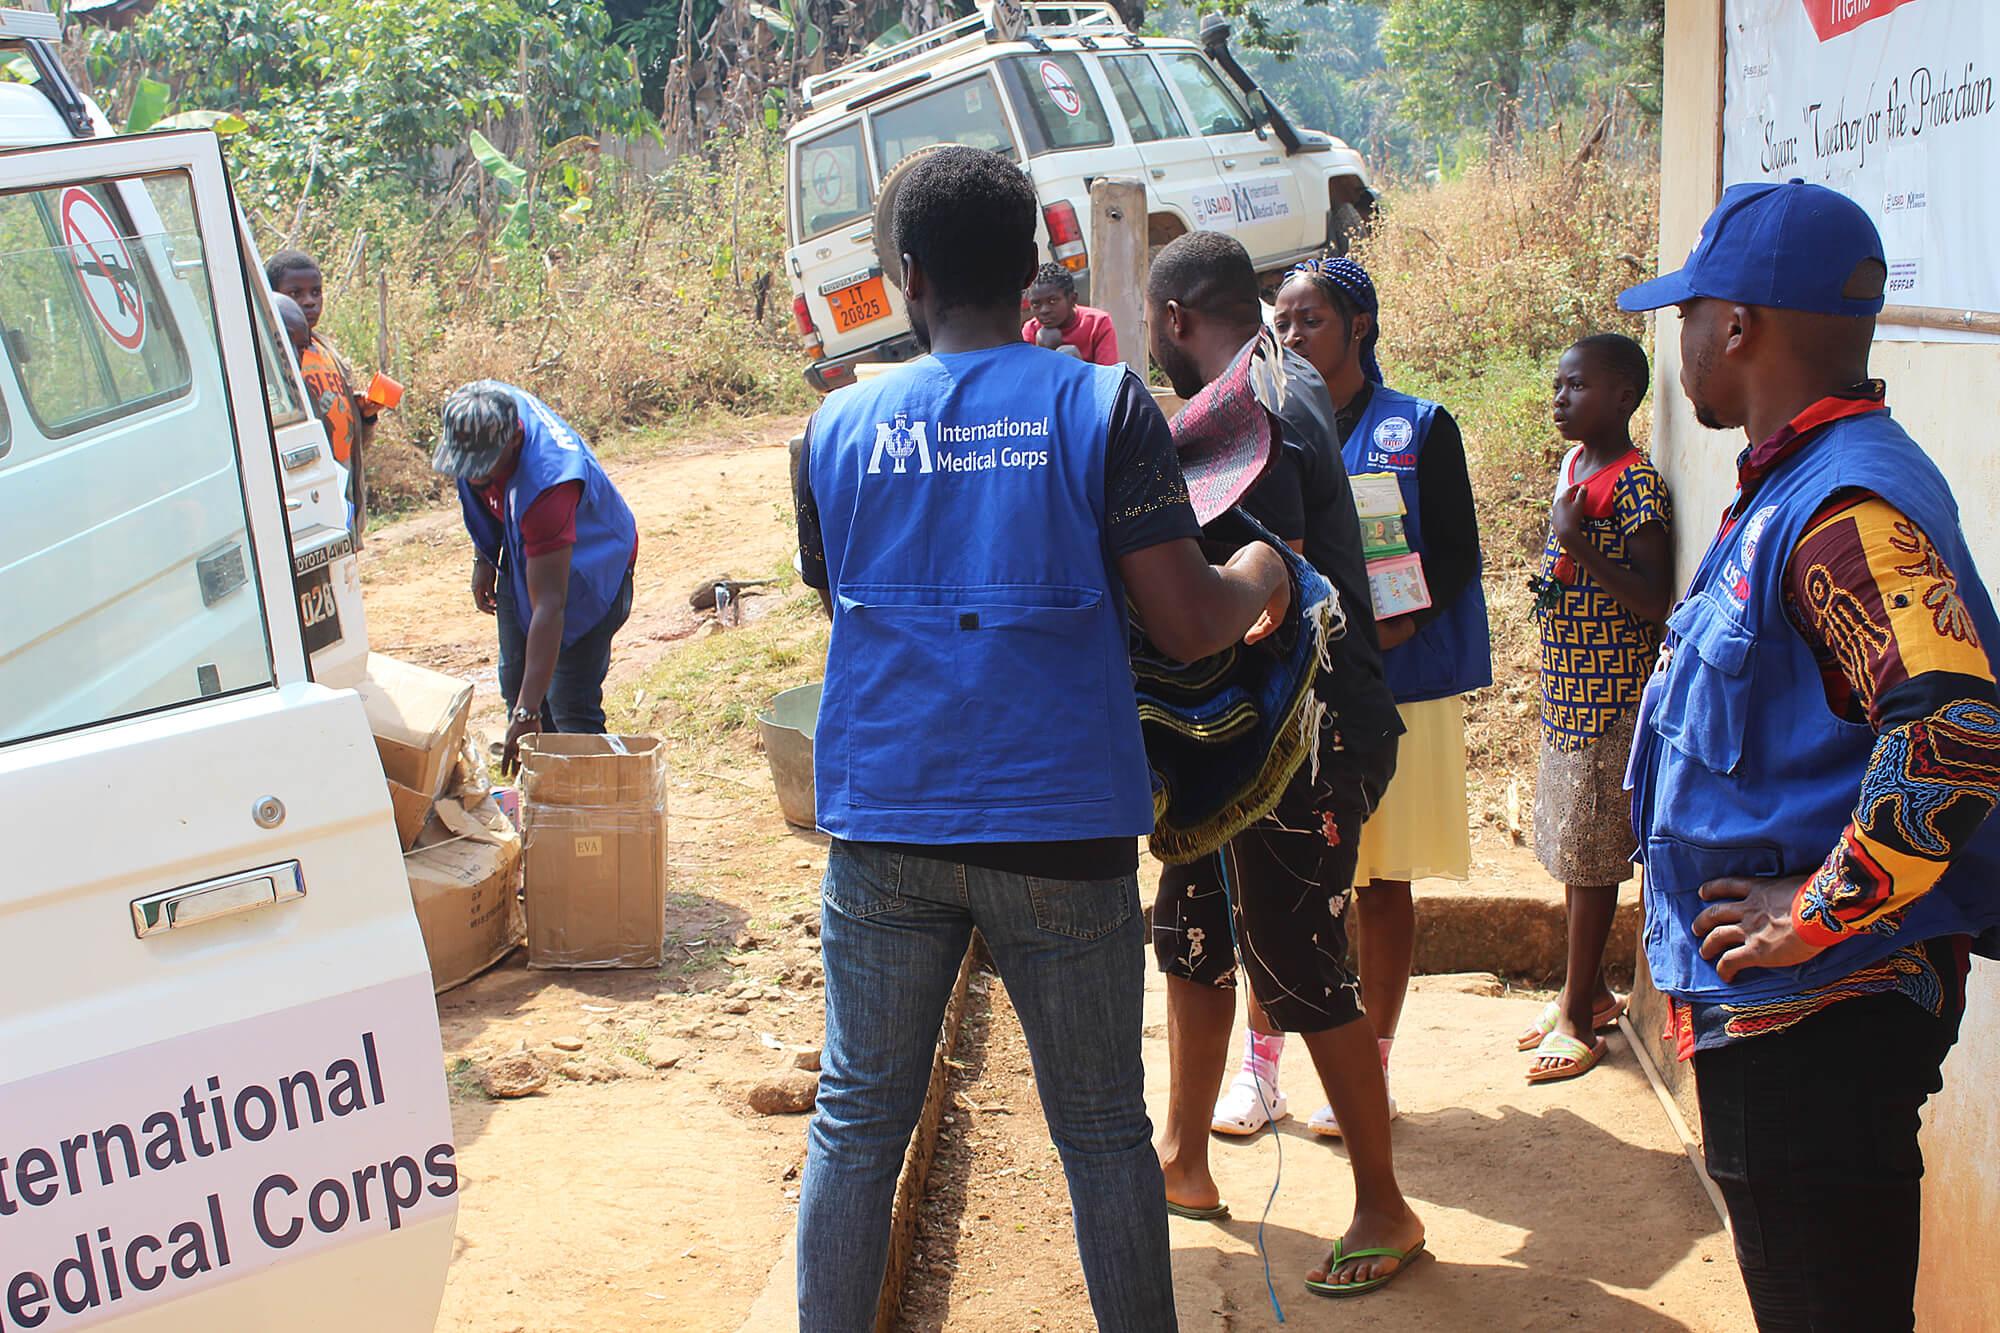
[[1897, 646]]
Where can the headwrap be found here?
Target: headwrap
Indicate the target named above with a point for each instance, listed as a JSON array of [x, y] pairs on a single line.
[[1225, 735], [1341, 276]]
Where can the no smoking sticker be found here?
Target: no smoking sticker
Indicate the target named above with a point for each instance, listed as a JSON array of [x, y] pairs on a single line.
[[104, 267], [826, 178], [1061, 91]]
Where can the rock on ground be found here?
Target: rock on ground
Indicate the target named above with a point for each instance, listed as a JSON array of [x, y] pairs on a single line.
[[515, 1075], [787, 1092]]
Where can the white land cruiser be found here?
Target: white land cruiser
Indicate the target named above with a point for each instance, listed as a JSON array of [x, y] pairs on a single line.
[[222, 1095], [99, 336], [1072, 95]]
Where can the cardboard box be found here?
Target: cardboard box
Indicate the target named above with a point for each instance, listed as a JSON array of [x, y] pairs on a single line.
[[594, 837], [413, 810], [1397, 585], [418, 717], [466, 889]]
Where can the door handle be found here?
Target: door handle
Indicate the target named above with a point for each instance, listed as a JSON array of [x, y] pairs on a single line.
[[1229, 162], [866, 233], [1159, 173], [192, 904]]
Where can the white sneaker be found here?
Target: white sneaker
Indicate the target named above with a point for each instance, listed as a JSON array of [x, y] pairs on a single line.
[[1247, 1105], [1323, 1124]]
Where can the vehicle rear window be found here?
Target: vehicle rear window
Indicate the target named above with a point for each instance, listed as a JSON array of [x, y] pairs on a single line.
[[967, 113], [1055, 103], [1143, 99], [85, 323], [833, 184], [1215, 108]]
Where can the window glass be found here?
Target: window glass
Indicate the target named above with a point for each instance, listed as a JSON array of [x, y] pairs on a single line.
[[87, 327], [1215, 108], [1143, 98], [1055, 103], [967, 113], [125, 562], [833, 184], [274, 357]]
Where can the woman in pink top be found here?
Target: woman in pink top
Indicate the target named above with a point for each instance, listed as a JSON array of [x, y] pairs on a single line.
[[1052, 299]]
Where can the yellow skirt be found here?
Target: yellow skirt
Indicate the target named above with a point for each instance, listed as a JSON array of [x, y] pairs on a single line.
[[1419, 830]]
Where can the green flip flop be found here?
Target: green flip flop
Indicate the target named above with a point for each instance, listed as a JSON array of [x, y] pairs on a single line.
[[1403, 1258], [1219, 1213]]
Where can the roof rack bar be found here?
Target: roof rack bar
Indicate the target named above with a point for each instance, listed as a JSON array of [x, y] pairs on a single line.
[[1065, 19]]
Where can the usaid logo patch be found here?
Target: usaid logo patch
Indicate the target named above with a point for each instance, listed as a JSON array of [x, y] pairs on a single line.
[[1736, 571], [1393, 435], [899, 440]]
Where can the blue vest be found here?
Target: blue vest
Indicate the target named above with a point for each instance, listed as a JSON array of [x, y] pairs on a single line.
[[978, 687], [1453, 653], [1740, 768], [551, 454]]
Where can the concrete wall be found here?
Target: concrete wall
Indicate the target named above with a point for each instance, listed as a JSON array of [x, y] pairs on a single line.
[[1948, 397]]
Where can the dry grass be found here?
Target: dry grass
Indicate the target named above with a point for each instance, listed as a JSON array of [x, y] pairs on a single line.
[[665, 301]]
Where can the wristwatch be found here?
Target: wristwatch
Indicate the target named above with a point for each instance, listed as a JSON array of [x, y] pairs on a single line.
[[523, 713]]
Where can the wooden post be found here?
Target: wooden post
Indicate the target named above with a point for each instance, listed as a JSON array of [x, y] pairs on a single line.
[[1118, 263]]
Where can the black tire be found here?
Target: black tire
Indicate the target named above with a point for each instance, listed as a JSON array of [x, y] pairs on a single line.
[[1344, 226]]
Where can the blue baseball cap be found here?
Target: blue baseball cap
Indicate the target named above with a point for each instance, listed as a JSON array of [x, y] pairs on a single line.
[[1791, 246]]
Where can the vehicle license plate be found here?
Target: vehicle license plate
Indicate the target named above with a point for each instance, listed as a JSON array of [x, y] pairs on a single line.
[[318, 615], [860, 304]]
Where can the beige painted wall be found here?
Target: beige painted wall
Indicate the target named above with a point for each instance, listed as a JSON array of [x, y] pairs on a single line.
[[1948, 397]]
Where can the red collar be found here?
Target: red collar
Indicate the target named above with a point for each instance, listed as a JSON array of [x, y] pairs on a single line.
[[1753, 465], [496, 484]]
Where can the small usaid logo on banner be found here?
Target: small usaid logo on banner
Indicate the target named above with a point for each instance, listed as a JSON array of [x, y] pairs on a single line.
[[1061, 91], [899, 441]]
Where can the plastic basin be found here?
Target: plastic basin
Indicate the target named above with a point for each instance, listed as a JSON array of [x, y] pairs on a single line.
[[787, 730]]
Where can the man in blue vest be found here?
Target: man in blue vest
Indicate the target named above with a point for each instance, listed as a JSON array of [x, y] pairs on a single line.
[[1816, 756], [976, 521], [539, 507]]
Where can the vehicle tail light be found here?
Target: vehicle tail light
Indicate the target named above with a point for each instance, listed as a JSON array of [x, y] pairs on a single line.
[[815, 345], [1066, 236]]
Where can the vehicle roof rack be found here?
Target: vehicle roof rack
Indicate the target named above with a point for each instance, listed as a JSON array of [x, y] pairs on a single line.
[[995, 21], [30, 20]]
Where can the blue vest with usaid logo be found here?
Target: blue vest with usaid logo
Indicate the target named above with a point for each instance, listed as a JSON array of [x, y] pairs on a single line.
[[1739, 767], [978, 686], [1453, 653], [552, 453]]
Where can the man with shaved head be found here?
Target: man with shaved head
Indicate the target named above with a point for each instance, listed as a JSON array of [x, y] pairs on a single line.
[[1815, 759]]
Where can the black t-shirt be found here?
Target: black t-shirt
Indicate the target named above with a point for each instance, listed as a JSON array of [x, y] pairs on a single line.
[[1145, 504], [1444, 508], [1306, 496]]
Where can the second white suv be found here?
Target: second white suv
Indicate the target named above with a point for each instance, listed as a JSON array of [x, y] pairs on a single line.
[[1073, 96]]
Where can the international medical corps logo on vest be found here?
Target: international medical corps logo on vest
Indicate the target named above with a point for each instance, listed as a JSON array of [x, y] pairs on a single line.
[[899, 441]]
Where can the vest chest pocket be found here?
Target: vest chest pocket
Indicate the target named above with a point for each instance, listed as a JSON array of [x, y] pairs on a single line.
[[998, 697], [1705, 701]]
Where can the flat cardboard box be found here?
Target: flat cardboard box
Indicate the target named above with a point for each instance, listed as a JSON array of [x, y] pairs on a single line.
[[594, 831], [418, 717], [413, 810], [466, 890]]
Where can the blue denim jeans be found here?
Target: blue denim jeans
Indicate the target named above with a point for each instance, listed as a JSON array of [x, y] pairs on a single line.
[[575, 698], [1073, 956]]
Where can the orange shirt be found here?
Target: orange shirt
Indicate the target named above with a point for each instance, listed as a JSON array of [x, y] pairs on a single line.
[[332, 398]]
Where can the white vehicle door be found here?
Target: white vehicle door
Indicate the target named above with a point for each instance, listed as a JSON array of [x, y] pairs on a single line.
[[1258, 198], [833, 202], [1180, 171], [222, 1099]]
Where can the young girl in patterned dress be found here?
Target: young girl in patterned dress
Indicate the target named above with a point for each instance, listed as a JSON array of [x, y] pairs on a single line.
[[1604, 591]]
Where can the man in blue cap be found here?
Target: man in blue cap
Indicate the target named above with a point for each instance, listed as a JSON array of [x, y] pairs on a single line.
[[539, 507], [1815, 760]]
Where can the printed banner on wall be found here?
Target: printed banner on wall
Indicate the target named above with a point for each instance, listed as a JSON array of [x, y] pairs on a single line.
[[1894, 104]]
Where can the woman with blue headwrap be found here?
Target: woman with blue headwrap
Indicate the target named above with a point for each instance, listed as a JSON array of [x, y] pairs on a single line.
[[1327, 312]]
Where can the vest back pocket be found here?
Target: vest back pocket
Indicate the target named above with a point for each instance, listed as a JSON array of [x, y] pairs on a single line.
[[992, 696]]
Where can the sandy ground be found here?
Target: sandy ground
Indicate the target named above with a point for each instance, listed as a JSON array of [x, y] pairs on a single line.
[[644, 1193]]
